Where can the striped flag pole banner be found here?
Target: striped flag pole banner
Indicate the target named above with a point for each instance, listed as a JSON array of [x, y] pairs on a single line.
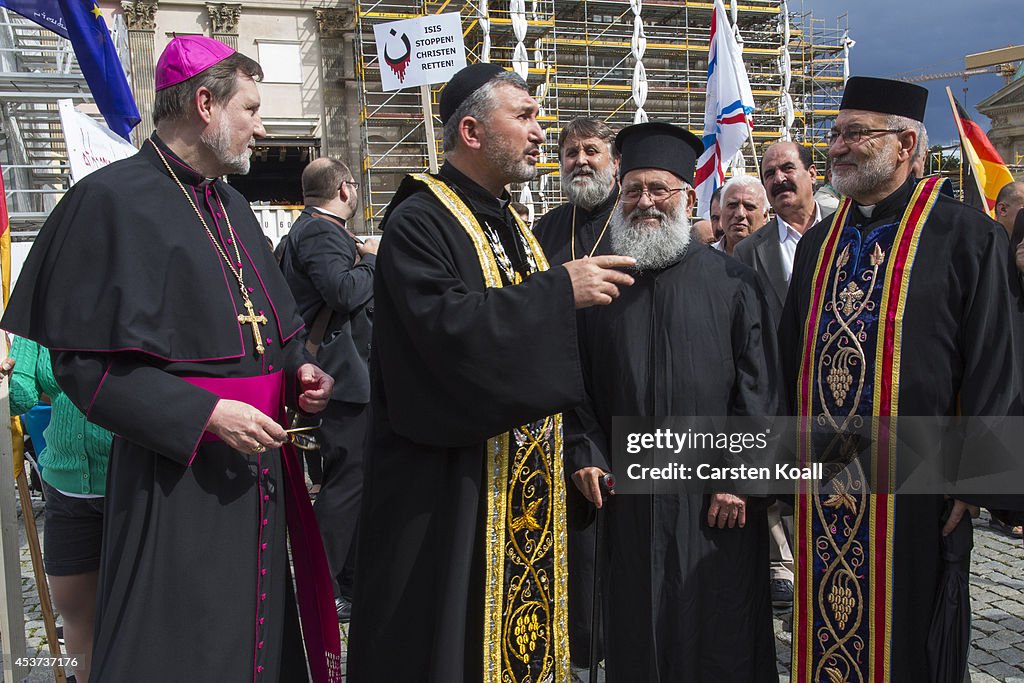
[[979, 160], [728, 109]]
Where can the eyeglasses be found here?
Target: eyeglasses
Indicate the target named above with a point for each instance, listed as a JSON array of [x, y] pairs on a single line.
[[657, 194], [352, 183], [303, 440], [852, 136]]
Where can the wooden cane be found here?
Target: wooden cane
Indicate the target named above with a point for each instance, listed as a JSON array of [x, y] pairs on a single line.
[[32, 534], [607, 485]]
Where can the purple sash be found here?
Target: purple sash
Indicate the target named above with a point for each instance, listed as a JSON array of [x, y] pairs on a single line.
[[313, 585]]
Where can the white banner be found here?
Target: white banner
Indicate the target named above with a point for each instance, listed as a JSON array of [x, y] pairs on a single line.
[[91, 145], [421, 51]]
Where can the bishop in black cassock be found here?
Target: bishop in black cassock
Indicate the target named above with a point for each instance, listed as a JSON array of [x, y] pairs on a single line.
[[144, 315]]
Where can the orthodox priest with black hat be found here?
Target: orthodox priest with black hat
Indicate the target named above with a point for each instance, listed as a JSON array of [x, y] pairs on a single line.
[[686, 594], [461, 566], [172, 326], [898, 306]]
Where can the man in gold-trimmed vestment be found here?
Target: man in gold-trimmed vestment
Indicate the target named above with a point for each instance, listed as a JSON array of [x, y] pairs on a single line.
[[898, 306], [462, 573]]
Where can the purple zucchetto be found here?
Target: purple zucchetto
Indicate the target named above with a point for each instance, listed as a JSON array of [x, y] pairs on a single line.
[[187, 56]]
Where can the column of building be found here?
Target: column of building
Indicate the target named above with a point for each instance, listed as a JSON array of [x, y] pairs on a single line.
[[224, 22], [340, 136], [140, 16]]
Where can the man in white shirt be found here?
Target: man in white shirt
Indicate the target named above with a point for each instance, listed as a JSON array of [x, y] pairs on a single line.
[[788, 174]]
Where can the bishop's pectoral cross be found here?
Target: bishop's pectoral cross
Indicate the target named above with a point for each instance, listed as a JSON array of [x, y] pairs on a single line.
[[255, 321]]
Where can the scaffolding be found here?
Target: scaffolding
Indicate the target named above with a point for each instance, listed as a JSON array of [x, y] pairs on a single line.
[[581, 63], [819, 63], [37, 68]]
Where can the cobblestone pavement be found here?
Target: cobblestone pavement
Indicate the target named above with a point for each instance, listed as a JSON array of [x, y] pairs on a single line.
[[997, 602]]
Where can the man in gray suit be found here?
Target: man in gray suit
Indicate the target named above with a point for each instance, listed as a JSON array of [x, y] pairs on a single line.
[[788, 174]]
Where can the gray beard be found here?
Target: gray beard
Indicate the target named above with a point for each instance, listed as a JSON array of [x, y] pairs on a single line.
[[869, 175], [655, 248], [587, 191], [218, 142]]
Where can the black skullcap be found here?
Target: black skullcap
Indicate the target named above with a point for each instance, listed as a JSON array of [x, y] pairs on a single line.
[[885, 97], [464, 84], [658, 145]]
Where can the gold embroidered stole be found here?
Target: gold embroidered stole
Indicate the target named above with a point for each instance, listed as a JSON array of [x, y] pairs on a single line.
[[844, 550], [526, 636]]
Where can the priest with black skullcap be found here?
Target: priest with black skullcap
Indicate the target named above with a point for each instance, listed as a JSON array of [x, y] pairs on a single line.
[[462, 567], [686, 593], [898, 306]]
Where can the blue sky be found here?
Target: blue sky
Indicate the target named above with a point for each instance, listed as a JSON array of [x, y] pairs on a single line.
[[895, 36]]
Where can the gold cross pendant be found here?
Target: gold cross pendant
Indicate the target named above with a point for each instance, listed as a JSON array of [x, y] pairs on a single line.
[[255, 321]]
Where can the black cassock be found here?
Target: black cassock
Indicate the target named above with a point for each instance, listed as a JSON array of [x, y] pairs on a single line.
[[684, 602], [555, 230], [956, 357], [454, 363], [127, 289]]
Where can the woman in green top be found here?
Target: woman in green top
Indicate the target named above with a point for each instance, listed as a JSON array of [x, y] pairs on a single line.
[[74, 471]]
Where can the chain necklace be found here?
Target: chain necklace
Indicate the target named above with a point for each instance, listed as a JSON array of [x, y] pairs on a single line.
[[251, 318], [572, 239], [504, 262]]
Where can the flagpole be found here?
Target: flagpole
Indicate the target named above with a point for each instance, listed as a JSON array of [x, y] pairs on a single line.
[[753, 148], [963, 155]]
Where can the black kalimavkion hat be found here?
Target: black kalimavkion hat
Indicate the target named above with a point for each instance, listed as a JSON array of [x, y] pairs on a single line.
[[885, 97], [656, 144]]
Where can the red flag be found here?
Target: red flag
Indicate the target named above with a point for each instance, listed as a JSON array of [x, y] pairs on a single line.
[[979, 160]]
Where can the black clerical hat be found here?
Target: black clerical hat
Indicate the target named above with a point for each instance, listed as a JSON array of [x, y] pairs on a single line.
[[885, 97], [658, 145], [464, 84]]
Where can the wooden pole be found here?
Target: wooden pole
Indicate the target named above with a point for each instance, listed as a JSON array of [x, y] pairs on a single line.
[[32, 534], [965, 157], [12, 606], [753, 149], [428, 123]]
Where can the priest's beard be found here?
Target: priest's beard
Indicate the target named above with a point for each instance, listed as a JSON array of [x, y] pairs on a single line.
[[512, 162], [871, 172], [586, 187], [653, 248], [219, 142]]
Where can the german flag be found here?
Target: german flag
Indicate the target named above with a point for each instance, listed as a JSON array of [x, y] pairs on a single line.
[[983, 169]]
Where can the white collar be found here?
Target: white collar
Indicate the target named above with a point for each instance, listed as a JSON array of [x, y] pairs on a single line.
[[785, 229], [329, 213]]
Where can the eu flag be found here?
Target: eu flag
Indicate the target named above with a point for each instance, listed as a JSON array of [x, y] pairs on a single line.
[[82, 23], [46, 13]]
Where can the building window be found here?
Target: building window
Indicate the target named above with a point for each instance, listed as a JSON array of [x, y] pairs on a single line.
[[281, 62]]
